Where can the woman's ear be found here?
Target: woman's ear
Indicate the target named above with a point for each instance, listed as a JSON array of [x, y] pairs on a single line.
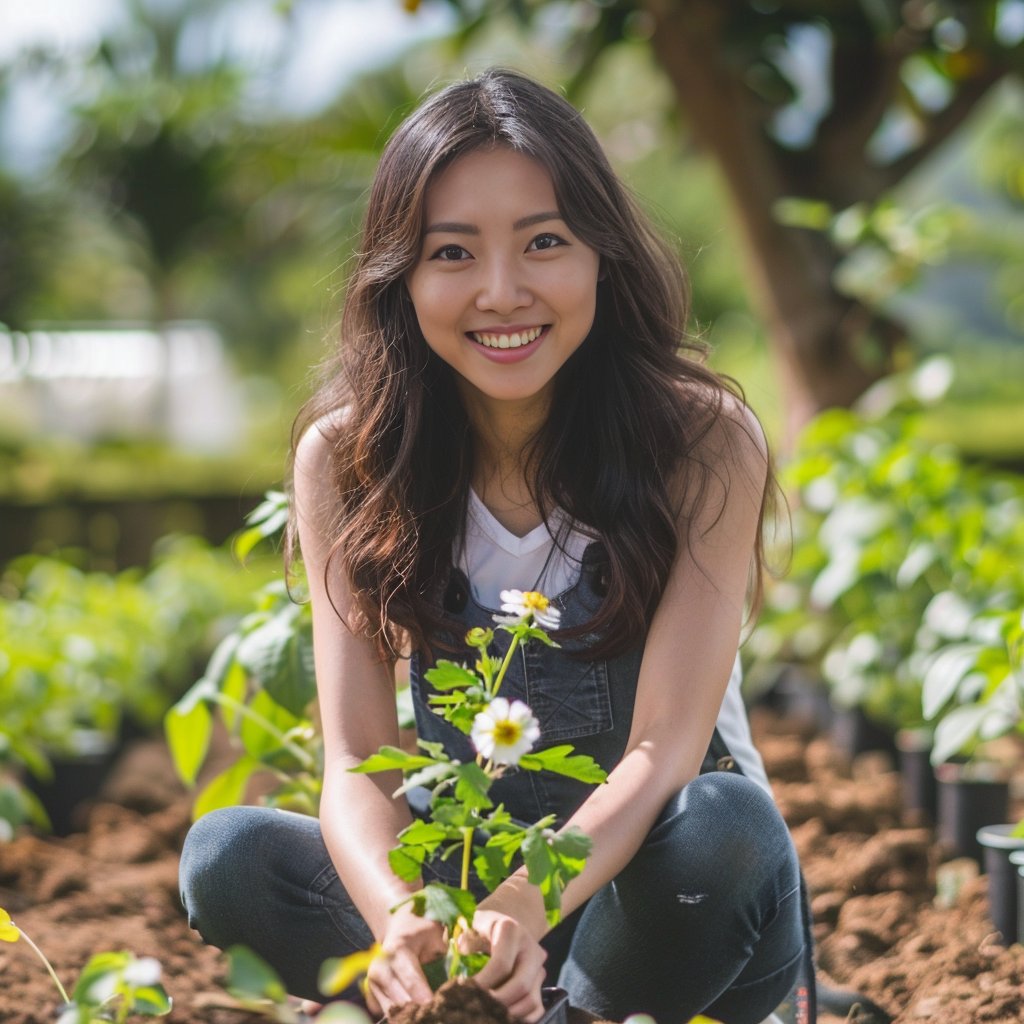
[[602, 270]]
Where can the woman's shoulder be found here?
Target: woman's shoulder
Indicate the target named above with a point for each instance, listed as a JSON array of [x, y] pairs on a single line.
[[723, 427], [312, 467]]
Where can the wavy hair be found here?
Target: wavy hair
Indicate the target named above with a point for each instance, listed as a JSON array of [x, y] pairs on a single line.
[[631, 405]]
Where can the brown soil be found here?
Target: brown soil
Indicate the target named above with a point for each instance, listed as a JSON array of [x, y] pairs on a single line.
[[872, 876]]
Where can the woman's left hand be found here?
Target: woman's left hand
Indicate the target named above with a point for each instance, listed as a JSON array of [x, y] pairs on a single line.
[[514, 974]]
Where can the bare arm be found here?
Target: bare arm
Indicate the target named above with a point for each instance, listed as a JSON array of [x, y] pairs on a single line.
[[359, 818], [688, 657]]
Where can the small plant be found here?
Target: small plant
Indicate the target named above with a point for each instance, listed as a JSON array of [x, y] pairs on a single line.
[[503, 733], [255, 987], [261, 681], [111, 988]]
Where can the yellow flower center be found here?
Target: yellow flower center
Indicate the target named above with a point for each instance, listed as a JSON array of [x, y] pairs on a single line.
[[534, 601], [507, 733]]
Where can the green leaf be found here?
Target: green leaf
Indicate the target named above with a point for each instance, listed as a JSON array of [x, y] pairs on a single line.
[[188, 737], [226, 789], [446, 675], [151, 1001], [472, 786], [571, 844], [945, 674], [424, 833], [407, 862], [202, 690], [256, 738], [98, 967], [538, 859], [222, 659], [279, 655], [342, 1013], [492, 863], [561, 761], [956, 730], [429, 776], [444, 904], [233, 685], [252, 978], [391, 758]]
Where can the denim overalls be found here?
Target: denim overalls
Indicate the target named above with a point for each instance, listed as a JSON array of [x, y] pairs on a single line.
[[588, 704], [709, 914]]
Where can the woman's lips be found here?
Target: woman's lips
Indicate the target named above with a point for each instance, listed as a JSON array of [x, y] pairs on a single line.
[[506, 339], [509, 346]]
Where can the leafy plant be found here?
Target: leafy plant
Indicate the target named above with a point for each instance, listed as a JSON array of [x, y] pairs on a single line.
[[85, 650], [461, 809], [261, 682], [907, 581], [111, 987], [255, 987]]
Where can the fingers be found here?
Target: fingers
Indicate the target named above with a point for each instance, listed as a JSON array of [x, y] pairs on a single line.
[[515, 973], [395, 978]]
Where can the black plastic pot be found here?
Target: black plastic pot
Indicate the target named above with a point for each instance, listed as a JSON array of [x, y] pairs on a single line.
[[77, 778], [919, 789], [1017, 860], [800, 697], [854, 732], [997, 844], [970, 797]]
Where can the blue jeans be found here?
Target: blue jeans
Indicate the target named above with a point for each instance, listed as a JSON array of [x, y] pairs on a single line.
[[706, 918]]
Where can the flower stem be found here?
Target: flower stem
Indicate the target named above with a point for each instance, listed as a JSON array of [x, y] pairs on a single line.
[[53, 974], [254, 716], [467, 853], [505, 663]]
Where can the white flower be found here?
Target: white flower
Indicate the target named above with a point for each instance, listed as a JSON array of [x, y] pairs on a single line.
[[504, 731], [143, 972], [530, 603]]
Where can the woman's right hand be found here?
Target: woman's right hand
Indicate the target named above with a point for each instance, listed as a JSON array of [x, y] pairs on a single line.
[[396, 975]]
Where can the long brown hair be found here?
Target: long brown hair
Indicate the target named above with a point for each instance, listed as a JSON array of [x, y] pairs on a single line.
[[630, 406]]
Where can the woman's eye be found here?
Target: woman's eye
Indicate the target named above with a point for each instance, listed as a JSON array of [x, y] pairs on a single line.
[[545, 241], [450, 254]]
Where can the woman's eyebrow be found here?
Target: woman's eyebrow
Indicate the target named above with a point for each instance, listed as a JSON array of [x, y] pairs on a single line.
[[456, 228]]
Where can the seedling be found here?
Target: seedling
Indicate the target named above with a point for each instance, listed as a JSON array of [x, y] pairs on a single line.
[[503, 733], [111, 988]]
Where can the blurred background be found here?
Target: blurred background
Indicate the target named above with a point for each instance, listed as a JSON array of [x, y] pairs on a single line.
[[181, 185], [181, 189]]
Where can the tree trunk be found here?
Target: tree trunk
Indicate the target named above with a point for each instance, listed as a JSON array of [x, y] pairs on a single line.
[[830, 347]]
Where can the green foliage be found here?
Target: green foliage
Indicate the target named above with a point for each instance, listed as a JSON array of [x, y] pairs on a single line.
[[85, 650], [257, 989], [115, 986], [907, 580], [464, 821], [111, 987], [261, 682]]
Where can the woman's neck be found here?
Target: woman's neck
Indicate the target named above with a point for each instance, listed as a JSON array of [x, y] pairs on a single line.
[[502, 435]]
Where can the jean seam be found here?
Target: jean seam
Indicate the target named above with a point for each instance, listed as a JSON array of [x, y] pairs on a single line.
[[767, 977], [315, 892]]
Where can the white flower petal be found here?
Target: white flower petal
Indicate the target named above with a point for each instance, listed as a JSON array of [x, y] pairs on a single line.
[[142, 972], [504, 731]]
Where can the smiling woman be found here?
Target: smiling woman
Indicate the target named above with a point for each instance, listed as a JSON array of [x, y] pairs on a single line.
[[515, 410], [504, 292]]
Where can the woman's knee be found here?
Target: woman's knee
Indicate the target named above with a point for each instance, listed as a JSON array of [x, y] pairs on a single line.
[[216, 859], [721, 826]]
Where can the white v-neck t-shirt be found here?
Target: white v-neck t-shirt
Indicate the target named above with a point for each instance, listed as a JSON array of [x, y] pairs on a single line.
[[495, 559]]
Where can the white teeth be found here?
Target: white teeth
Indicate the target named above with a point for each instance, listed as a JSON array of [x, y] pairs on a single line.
[[514, 340]]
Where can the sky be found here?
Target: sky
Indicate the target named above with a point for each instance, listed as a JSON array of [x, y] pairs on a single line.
[[331, 41]]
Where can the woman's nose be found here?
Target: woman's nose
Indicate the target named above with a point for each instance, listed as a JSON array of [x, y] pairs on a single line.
[[503, 289]]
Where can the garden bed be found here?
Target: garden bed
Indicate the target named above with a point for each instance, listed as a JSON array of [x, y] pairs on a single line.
[[872, 876]]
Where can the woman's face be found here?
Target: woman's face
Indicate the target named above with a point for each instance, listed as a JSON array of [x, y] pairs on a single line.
[[504, 292]]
